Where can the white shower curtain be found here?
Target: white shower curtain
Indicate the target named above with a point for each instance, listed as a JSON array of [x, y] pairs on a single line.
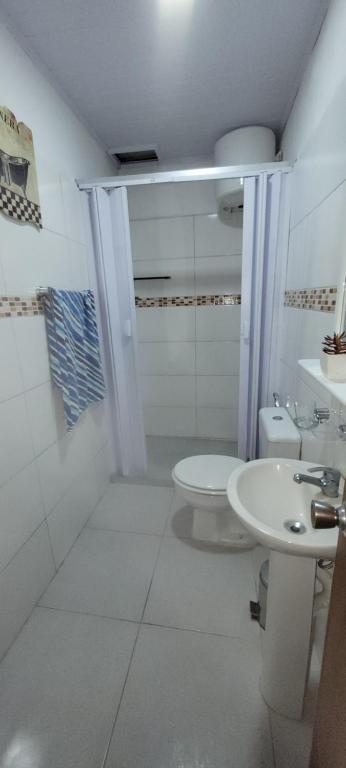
[[117, 315], [265, 241]]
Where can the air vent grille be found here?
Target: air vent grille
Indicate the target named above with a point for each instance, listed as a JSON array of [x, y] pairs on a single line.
[[135, 155]]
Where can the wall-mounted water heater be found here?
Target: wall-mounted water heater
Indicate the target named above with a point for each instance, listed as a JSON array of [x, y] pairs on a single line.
[[243, 146]]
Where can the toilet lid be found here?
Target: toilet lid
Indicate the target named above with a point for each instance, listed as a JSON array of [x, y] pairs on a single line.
[[206, 472]]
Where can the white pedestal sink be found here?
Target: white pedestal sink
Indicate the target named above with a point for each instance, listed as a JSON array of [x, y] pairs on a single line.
[[268, 502]]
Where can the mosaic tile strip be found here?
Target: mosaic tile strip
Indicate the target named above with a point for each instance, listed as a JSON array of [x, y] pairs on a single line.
[[319, 299], [189, 301], [17, 306]]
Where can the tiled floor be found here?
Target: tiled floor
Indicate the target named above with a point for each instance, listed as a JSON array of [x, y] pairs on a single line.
[[142, 653]]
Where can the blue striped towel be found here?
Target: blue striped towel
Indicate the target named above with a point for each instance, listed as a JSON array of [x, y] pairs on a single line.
[[74, 353]]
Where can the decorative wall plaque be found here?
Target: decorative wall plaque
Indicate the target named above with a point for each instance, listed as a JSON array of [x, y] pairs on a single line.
[[19, 196]]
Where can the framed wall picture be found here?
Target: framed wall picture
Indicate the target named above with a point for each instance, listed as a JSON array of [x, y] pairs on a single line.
[[19, 197]]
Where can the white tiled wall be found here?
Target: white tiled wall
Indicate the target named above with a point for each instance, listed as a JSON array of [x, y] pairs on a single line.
[[189, 356], [166, 238], [314, 139], [181, 272], [49, 480], [316, 243]]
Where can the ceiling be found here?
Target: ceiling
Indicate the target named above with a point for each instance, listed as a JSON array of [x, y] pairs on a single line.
[[174, 73]]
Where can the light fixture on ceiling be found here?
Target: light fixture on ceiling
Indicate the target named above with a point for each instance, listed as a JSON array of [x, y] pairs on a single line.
[[179, 8], [175, 4]]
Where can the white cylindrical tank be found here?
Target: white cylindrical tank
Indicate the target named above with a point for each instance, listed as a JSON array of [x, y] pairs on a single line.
[[252, 144], [279, 438]]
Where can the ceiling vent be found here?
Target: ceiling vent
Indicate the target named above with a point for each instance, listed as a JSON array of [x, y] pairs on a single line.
[[127, 155]]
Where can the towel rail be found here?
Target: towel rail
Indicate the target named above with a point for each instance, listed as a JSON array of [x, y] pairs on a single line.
[[153, 277], [40, 292]]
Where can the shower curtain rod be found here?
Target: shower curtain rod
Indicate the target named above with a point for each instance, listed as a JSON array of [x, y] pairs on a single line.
[[193, 174]]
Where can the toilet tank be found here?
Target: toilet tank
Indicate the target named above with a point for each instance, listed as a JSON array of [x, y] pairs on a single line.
[[278, 436]]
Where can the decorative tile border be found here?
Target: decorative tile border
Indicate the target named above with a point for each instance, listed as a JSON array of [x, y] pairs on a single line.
[[16, 306], [319, 299], [19, 306], [189, 301]]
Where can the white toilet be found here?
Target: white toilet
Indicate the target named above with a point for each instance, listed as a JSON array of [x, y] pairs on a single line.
[[202, 481]]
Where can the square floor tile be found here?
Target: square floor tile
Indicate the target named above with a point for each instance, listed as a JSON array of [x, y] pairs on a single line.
[[60, 685], [180, 519], [191, 700], [106, 574], [197, 588], [160, 470], [133, 508]]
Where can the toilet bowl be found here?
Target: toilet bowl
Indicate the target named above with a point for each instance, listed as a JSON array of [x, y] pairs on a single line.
[[202, 480], [202, 483]]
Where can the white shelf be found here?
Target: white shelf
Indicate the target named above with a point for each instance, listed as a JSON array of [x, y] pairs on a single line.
[[312, 369]]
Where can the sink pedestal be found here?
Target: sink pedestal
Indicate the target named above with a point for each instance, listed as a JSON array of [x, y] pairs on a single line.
[[287, 637], [276, 510]]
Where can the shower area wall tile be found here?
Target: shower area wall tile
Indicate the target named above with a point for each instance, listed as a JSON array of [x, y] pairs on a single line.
[[217, 422], [180, 272], [218, 274], [188, 350], [214, 238], [218, 323], [217, 391], [170, 421], [166, 324], [217, 358], [172, 200], [168, 238], [168, 390], [171, 358]]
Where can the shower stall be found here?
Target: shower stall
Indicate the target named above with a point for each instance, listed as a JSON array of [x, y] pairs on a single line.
[[189, 310], [187, 278]]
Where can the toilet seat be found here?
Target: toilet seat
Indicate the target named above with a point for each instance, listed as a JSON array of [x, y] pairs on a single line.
[[207, 474]]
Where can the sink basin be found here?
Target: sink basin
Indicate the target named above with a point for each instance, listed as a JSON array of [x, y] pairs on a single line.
[[276, 510]]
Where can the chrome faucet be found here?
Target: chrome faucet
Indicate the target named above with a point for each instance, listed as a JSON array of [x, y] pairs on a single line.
[[328, 483]]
